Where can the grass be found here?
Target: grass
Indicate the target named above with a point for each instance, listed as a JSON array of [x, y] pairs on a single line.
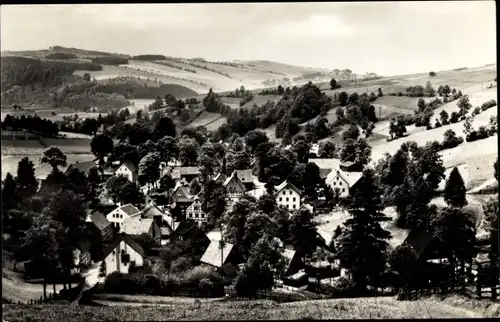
[[361, 308]]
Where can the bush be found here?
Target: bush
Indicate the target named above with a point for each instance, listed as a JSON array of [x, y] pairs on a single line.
[[471, 137], [119, 283], [476, 111], [343, 288], [454, 117], [488, 104], [432, 74]]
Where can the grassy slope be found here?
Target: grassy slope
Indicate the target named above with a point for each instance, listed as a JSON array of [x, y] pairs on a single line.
[[362, 308]]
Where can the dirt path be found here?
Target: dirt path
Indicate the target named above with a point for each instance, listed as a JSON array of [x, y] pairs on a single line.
[[14, 288]]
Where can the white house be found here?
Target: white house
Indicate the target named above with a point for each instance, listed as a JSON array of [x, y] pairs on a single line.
[[195, 213], [344, 181], [122, 253], [128, 170], [235, 189], [288, 195], [118, 216]]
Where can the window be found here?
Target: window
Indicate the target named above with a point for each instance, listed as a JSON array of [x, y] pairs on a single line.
[[287, 199], [102, 270], [294, 198], [343, 189], [281, 199], [290, 192], [293, 206], [284, 192]]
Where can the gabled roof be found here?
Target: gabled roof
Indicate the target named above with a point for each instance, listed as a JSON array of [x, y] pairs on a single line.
[[220, 177], [245, 176], [137, 225], [186, 171], [419, 239], [285, 184], [48, 188], [330, 163], [130, 210], [196, 202], [214, 235], [99, 220], [350, 177], [212, 255], [181, 194], [130, 166], [347, 163], [323, 173], [234, 177], [129, 241], [82, 166], [151, 210], [289, 254]]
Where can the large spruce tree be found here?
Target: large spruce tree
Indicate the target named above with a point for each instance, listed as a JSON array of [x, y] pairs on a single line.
[[454, 192], [26, 180], [363, 245]]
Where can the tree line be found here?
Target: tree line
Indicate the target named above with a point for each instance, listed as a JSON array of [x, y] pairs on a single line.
[[33, 124]]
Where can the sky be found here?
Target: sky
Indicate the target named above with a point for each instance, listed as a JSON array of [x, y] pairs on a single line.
[[388, 38]]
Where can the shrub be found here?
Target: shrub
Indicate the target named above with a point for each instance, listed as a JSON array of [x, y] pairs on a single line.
[[454, 117], [472, 136], [476, 111], [343, 287], [437, 124], [488, 104], [121, 284], [181, 264], [451, 140], [432, 74]]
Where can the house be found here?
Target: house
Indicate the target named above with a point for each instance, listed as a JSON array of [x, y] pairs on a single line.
[[326, 165], [215, 234], [220, 178], [345, 181], [314, 150], [181, 199], [234, 187], [128, 170], [136, 226], [221, 258], [349, 166], [151, 210], [83, 167], [288, 195], [197, 238], [186, 173], [294, 261], [99, 226], [118, 216], [246, 178], [195, 213], [120, 255]]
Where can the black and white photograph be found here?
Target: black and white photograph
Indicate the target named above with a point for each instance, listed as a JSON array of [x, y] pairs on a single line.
[[249, 161]]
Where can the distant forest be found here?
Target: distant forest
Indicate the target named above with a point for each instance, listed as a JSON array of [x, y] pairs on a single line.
[[61, 56], [110, 60], [22, 71], [149, 57]]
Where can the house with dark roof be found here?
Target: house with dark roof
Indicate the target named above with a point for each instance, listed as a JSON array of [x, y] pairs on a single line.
[[349, 166], [151, 210], [198, 240], [100, 227], [129, 171], [136, 226], [122, 253], [234, 187], [246, 177], [119, 214], [288, 195], [181, 199], [83, 167]]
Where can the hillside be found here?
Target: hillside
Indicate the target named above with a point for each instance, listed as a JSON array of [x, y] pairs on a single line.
[[360, 308]]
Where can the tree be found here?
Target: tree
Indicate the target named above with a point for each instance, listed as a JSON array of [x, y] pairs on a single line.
[[9, 193], [432, 74], [101, 146], [121, 190], [354, 98], [363, 152], [343, 98], [339, 112], [444, 117], [327, 149], [86, 77], [188, 151], [363, 245], [429, 90], [166, 182], [54, 157], [194, 187], [276, 162], [464, 105], [235, 221], [301, 147], [491, 211], [257, 225], [311, 181], [404, 260], [379, 92], [303, 232], [149, 168], [26, 180], [333, 84], [351, 133], [430, 165], [168, 149], [421, 105], [454, 192], [348, 152], [164, 127], [281, 90]]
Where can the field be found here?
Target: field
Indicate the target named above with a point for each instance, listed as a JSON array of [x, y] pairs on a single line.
[[361, 308]]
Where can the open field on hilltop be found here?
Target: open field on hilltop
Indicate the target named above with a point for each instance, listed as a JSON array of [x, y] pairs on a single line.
[[206, 118], [360, 308]]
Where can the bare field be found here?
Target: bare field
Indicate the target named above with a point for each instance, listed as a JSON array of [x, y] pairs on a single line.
[[359, 308]]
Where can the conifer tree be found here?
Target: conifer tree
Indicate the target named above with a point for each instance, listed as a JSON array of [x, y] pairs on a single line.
[[26, 180], [454, 192], [9, 193], [363, 245]]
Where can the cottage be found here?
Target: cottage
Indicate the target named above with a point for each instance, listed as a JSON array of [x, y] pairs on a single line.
[[288, 195], [186, 173], [118, 216], [234, 187], [136, 226], [120, 255], [314, 150], [129, 171], [246, 178], [151, 210], [99, 226], [221, 257], [326, 165], [346, 182], [181, 199], [195, 213]]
